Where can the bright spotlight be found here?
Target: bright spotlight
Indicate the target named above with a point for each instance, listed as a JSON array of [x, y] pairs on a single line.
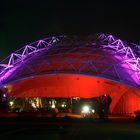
[[53, 105], [4, 95], [11, 103], [63, 105], [93, 111], [86, 109]]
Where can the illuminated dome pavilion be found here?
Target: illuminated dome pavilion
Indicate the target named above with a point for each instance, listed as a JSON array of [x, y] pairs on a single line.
[[70, 66]]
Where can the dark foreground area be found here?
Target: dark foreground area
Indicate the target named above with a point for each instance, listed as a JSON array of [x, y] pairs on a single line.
[[68, 129]]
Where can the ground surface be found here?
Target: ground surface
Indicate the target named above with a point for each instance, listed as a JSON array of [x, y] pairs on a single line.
[[69, 129]]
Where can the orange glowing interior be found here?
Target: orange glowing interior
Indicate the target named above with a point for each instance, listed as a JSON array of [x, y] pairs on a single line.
[[124, 98]]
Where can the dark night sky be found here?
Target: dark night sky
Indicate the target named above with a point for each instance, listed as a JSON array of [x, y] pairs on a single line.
[[22, 22]]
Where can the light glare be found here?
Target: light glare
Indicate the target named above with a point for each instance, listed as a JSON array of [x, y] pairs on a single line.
[[11, 103], [85, 109]]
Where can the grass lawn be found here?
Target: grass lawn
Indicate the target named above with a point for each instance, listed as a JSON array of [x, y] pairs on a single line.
[[72, 131]]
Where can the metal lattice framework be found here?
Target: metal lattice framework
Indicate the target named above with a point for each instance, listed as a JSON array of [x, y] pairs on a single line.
[[19, 55], [121, 47], [24, 62]]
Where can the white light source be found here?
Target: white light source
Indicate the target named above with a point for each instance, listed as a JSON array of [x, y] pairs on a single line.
[[11, 103], [93, 111], [63, 105], [33, 105], [53, 105], [85, 109], [4, 95]]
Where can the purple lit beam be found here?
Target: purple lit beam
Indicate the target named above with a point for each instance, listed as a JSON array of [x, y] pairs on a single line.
[[34, 47], [120, 47]]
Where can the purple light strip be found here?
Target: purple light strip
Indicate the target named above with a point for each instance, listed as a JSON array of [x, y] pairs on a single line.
[[107, 41], [120, 47], [34, 47]]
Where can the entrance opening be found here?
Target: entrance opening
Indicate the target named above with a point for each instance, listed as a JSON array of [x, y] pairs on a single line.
[[64, 90]]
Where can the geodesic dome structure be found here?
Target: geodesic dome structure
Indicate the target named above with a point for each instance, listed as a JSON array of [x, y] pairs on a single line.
[[69, 66]]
